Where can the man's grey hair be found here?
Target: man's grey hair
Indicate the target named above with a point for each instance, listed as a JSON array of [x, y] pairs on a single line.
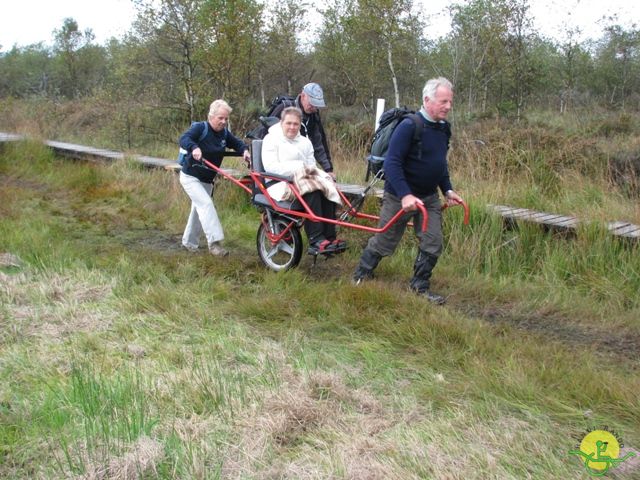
[[218, 105], [432, 85]]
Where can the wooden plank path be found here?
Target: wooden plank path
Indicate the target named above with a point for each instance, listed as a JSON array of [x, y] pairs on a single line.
[[81, 152], [10, 137], [512, 214], [624, 229], [562, 222]]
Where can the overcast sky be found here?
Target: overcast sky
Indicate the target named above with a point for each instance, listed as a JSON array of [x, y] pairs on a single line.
[[24, 22]]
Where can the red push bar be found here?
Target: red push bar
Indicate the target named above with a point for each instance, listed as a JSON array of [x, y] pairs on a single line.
[[309, 215], [226, 175]]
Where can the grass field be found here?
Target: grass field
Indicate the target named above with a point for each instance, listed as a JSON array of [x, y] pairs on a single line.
[[124, 356]]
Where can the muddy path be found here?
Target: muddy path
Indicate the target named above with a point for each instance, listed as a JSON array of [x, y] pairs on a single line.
[[619, 344]]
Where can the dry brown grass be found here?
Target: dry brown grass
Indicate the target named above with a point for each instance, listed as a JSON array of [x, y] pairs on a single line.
[[8, 260], [139, 461], [58, 306], [316, 426]]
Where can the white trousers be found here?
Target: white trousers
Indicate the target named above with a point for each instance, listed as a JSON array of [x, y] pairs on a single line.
[[203, 215]]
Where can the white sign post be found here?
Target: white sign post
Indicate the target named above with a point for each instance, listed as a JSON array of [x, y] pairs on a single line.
[[379, 112]]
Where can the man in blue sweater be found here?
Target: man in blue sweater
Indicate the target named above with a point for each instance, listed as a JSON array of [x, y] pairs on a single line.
[[414, 171]]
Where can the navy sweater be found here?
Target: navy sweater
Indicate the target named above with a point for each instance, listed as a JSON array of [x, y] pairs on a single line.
[[419, 175], [213, 147]]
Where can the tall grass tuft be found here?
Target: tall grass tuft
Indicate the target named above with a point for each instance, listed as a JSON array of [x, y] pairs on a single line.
[[94, 417]]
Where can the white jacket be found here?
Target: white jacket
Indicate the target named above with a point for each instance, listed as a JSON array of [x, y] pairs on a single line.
[[284, 156]]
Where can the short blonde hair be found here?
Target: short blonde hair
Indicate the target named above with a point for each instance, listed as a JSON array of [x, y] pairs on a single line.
[[295, 111], [218, 105]]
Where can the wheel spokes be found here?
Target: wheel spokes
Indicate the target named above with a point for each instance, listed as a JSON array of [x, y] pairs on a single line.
[[271, 253], [285, 247], [281, 246]]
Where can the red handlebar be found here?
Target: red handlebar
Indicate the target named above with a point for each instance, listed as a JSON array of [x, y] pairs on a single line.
[[464, 206], [425, 216]]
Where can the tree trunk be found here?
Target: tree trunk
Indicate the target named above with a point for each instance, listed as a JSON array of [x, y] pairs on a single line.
[[393, 76], [485, 96], [263, 103], [188, 84]]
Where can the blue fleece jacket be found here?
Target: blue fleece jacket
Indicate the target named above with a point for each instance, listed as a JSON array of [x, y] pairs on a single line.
[[422, 174], [213, 147]]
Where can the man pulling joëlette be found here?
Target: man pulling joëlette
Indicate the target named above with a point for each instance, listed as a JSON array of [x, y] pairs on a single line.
[[413, 177]]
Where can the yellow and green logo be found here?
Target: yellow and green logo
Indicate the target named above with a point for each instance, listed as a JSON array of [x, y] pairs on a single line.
[[600, 451]]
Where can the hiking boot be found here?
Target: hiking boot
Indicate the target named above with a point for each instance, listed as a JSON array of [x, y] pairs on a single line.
[[368, 262], [191, 248], [218, 250], [434, 298], [361, 275], [422, 269]]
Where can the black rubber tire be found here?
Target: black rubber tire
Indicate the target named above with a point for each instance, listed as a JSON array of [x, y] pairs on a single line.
[[286, 254]]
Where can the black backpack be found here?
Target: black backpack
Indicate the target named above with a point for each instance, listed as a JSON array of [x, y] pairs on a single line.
[[389, 120], [266, 120]]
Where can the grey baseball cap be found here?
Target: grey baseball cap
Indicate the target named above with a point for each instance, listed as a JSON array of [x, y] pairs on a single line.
[[314, 92]]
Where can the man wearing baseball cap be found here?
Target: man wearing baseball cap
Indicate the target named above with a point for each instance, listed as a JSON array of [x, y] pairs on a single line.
[[310, 100], [313, 93]]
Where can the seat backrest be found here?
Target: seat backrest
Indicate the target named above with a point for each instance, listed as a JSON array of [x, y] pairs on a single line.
[[256, 166], [256, 156]]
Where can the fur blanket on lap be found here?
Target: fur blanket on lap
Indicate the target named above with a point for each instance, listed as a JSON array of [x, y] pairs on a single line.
[[311, 179]]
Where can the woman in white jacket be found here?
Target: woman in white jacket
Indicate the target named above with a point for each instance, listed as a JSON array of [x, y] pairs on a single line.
[[285, 152]]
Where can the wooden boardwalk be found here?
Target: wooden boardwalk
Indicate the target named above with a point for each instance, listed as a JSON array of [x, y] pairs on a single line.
[[554, 221], [80, 152], [512, 214], [624, 229], [10, 137]]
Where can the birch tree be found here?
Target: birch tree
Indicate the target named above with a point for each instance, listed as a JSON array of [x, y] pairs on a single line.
[[373, 45], [170, 30]]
